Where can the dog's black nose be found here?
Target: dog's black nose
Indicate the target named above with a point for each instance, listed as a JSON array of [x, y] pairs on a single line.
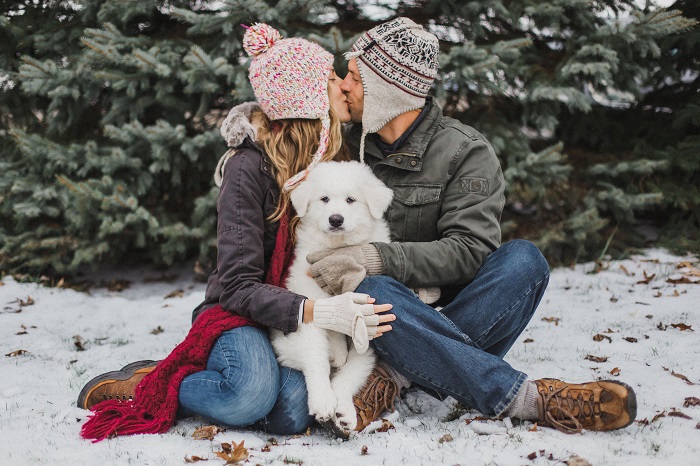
[[336, 220]]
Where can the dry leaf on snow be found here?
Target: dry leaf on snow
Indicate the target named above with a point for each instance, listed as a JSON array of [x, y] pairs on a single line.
[[647, 278], [555, 320], [386, 426], [175, 294], [445, 438], [195, 459], [18, 352], [590, 357], [682, 327], [691, 401], [601, 337], [206, 432], [233, 453], [616, 371], [676, 413]]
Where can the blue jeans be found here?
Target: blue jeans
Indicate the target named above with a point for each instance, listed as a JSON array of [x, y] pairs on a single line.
[[458, 351], [244, 386]]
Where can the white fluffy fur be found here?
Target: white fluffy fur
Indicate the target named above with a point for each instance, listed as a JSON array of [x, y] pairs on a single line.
[[351, 190]]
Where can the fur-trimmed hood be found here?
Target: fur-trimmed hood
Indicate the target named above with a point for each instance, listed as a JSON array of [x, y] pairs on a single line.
[[235, 129]]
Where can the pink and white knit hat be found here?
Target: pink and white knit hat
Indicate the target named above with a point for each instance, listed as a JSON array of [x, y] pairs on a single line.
[[290, 80]]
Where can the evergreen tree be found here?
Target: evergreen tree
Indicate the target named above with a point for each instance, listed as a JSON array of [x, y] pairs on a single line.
[[109, 115]]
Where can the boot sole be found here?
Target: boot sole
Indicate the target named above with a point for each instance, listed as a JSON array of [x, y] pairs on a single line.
[[124, 373], [631, 402]]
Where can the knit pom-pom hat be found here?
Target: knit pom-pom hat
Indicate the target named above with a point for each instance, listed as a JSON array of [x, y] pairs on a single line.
[[290, 80], [398, 62]]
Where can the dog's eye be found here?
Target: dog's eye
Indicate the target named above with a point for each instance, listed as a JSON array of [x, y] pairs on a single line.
[[350, 200], [325, 199]]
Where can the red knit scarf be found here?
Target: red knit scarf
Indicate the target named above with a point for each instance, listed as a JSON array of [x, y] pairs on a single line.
[[155, 401]]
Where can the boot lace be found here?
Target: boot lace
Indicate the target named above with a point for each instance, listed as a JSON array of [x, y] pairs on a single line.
[[560, 414]]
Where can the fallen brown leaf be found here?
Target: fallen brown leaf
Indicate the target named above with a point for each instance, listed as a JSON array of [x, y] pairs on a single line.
[[691, 401], [662, 326], [78, 342], [676, 293], [528, 340], [647, 278], [642, 422], [684, 265], [445, 438], [682, 281], [532, 456], [554, 320], [609, 330], [630, 339], [157, 330], [477, 418], [697, 426], [601, 337], [683, 327], [627, 272], [386, 426], [18, 352], [533, 428], [195, 459], [676, 413], [615, 371], [364, 451], [233, 453], [28, 302], [659, 415], [590, 357], [658, 294], [206, 432], [175, 294], [680, 376]]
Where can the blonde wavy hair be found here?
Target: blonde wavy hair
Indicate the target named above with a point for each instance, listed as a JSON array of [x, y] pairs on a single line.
[[290, 144]]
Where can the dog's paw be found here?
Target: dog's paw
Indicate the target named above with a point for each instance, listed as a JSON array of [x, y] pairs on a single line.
[[338, 357], [323, 407], [345, 416]]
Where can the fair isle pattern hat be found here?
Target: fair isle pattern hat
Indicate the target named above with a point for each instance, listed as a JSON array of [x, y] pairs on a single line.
[[398, 62], [290, 80]]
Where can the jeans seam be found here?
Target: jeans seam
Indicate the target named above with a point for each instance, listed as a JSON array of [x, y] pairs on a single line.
[[510, 396], [423, 377], [463, 335], [497, 321]]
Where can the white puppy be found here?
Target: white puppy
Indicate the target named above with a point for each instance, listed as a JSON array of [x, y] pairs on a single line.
[[339, 204]]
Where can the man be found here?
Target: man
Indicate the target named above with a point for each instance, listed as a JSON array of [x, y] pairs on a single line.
[[448, 199]]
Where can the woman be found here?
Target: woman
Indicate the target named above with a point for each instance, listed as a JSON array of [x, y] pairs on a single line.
[[225, 370]]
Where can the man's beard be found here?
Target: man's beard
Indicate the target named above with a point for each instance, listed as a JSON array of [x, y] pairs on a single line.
[[355, 115]]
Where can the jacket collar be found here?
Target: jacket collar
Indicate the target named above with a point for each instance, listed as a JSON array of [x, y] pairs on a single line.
[[410, 155]]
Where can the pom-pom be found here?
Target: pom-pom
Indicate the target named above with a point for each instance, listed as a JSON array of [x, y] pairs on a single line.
[[260, 37]]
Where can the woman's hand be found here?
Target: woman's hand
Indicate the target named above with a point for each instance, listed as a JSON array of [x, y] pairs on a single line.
[[352, 314]]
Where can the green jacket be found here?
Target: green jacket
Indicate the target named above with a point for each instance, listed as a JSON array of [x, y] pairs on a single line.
[[448, 199]]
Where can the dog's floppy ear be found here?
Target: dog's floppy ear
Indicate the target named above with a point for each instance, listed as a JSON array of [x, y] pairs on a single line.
[[301, 197], [378, 197]]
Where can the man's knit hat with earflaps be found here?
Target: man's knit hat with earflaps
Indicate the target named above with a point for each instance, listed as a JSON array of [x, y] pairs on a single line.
[[290, 80], [398, 62]]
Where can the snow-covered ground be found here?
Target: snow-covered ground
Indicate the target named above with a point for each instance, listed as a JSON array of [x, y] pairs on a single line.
[[70, 336]]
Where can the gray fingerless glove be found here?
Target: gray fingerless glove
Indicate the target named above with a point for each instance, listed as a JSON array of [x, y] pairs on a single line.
[[350, 314]]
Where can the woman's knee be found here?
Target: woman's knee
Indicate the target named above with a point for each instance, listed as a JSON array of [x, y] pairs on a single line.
[[247, 399]]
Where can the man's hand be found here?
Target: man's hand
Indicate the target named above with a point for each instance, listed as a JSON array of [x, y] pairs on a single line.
[[341, 270]]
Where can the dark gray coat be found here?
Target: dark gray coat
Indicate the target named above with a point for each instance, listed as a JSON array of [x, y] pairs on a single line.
[[448, 199], [245, 242]]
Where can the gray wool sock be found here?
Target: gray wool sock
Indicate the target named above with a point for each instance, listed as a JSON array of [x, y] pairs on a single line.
[[524, 406], [400, 380]]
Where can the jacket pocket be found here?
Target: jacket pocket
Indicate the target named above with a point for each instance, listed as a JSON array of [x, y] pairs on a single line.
[[414, 212]]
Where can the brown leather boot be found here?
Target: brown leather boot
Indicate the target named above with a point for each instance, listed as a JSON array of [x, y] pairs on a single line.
[[602, 405], [116, 385], [375, 397]]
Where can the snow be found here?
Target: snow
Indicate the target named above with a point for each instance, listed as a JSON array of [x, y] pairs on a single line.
[[39, 422]]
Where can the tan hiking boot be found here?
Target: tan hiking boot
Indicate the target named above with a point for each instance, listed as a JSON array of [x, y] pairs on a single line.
[[602, 405], [375, 397], [116, 385]]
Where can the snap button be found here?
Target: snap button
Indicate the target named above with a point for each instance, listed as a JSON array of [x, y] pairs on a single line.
[[413, 163], [398, 159]]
